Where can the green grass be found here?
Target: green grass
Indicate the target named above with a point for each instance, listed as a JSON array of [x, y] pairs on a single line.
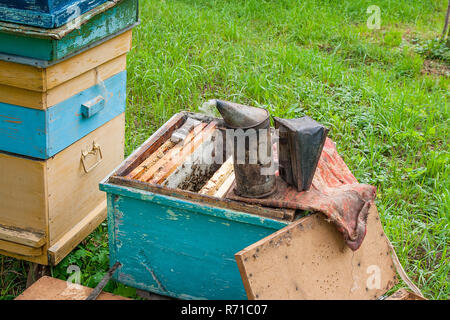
[[389, 119]]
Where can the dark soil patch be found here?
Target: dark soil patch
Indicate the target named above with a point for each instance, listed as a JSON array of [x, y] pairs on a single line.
[[432, 67]]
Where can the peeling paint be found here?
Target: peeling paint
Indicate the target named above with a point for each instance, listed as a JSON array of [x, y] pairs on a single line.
[[96, 25], [172, 215]]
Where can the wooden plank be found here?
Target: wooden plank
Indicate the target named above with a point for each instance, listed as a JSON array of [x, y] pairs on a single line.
[[273, 213], [186, 151], [219, 178], [309, 260], [20, 236], [74, 236], [39, 259], [151, 160], [149, 173], [54, 33], [151, 144], [88, 60], [22, 76], [48, 288], [23, 193], [86, 80], [74, 193], [18, 249], [22, 97], [41, 80], [226, 185]]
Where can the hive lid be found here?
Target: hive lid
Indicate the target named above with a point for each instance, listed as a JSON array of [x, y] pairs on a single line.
[[308, 260], [46, 13], [59, 32], [305, 125], [238, 115]]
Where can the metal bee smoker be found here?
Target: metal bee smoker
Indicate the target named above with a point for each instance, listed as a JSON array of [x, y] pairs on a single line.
[[300, 145], [251, 142]]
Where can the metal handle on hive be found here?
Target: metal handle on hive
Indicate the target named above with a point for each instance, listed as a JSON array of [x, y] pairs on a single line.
[[84, 154]]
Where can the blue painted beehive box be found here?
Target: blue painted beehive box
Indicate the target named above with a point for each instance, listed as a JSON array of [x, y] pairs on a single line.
[[176, 242], [44, 47], [45, 13], [43, 111], [43, 133]]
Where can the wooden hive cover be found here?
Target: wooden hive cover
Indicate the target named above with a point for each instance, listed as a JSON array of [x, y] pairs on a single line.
[[309, 260]]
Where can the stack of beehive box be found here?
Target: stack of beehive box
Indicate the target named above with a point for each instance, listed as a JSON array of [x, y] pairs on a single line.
[[62, 103]]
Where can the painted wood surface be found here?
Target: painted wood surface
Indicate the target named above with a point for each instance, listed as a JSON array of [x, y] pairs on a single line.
[[310, 260], [22, 251], [53, 96], [45, 13], [23, 193], [57, 197], [179, 248], [32, 44], [122, 175], [43, 79], [22, 236], [44, 133], [73, 192], [61, 248]]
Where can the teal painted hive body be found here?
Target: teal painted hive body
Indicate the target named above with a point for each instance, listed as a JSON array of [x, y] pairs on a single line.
[[175, 242], [43, 133], [179, 248], [43, 47]]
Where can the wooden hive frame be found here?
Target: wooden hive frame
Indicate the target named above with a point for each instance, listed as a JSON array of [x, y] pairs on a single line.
[[135, 162]]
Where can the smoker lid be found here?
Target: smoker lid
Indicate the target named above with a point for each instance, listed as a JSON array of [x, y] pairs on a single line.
[[238, 115], [306, 142], [305, 125]]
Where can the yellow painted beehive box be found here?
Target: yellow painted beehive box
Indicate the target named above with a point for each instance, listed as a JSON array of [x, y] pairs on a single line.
[[49, 206]]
